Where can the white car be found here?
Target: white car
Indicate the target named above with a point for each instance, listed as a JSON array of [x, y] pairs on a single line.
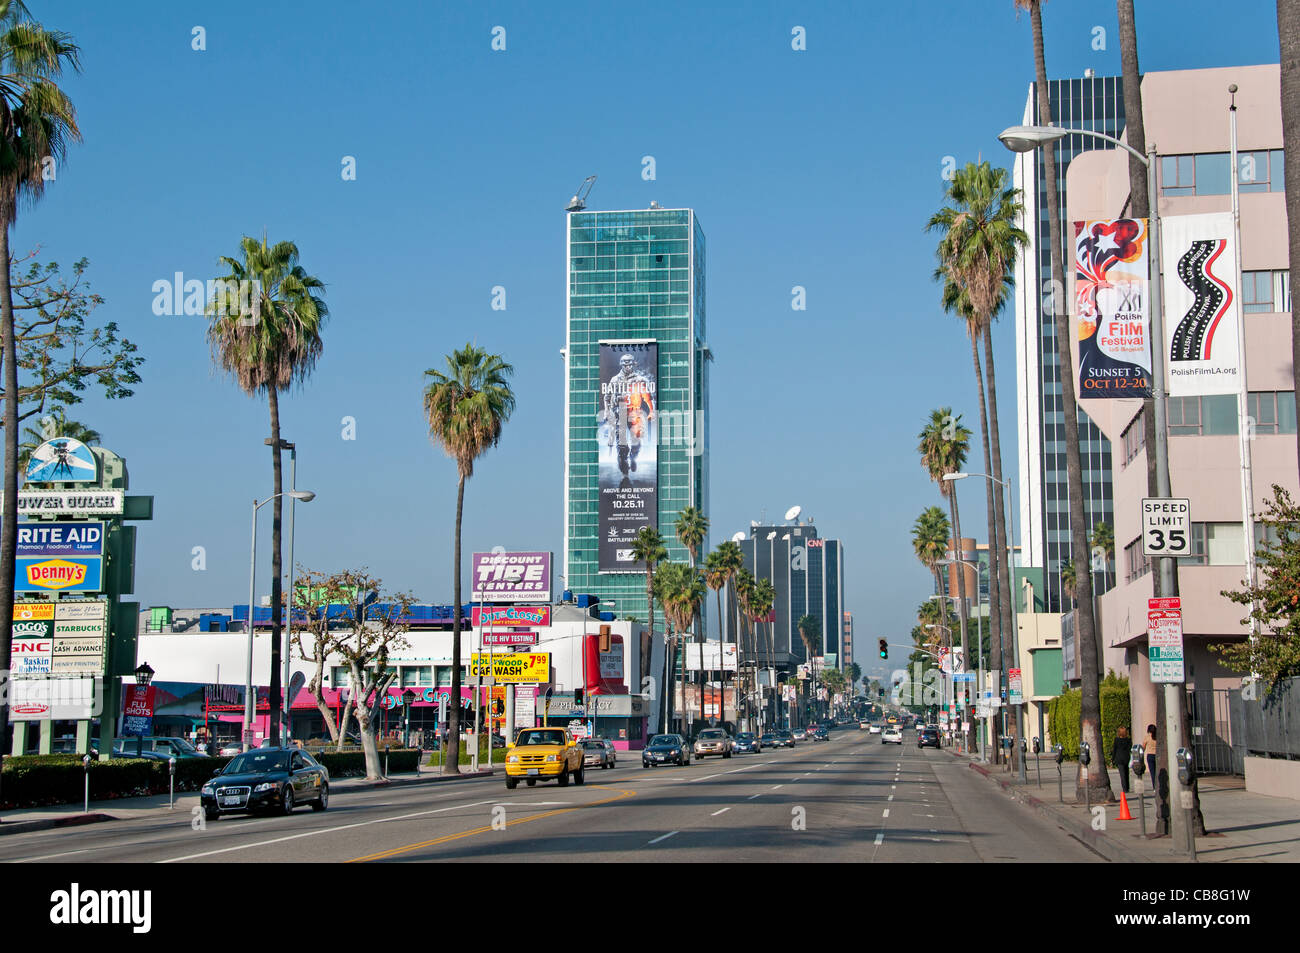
[[892, 735], [875, 729]]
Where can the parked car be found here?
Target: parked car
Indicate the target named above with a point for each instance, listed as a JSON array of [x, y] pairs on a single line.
[[266, 779], [713, 741], [747, 741], [598, 751], [168, 746], [927, 738], [666, 749], [229, 749], [892, 735]]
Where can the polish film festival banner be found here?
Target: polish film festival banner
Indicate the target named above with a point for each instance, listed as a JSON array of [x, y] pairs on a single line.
[[1200, 263], [1110, 296], [627, 436]]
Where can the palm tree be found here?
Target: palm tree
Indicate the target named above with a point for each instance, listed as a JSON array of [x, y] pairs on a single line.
[[267, 350], [733, 560], [648, 548], [1096, 777], [680, 590], [1288, 32], [810, 632], [59, 426], [1103, 538], [745, 590], [716, 574], [692, 528], [1069, 579], [37, 120], [765, 599], [977, 251], [930, 535], [466, 406]]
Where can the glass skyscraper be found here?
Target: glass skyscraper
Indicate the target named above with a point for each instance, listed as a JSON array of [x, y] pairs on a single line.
[[635, 285], [1097, 104]]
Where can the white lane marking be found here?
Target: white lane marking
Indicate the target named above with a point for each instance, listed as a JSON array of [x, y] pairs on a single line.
[[891, 797], [879, 837], [752, 796], [723, 811], [664, 837], [893, 787], [330, 830], [886, 814], [62, 853], [775, 786]]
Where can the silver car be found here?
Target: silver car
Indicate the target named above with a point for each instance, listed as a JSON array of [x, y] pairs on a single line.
[[713, 741], [598, 751]]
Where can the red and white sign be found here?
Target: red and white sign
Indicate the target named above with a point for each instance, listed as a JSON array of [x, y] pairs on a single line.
[[510, 638], [1165, 640], [520, 616]]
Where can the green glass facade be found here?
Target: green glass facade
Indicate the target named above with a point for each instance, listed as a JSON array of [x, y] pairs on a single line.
[[634, 275]]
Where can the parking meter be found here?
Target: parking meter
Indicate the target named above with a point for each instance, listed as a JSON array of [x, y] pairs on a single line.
[[1085, 753], [1186, 767], [1024, 745], [1060, 753], [85, 769], [1038, 745], [1138, 764]]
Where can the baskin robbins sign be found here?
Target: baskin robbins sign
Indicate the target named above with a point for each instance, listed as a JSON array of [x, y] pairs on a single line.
[[60, 557]]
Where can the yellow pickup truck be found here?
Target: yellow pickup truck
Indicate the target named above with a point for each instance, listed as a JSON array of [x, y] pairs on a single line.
[[543, 754]]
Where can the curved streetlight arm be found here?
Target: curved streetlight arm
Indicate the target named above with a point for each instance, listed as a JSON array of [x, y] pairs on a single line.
[[1029, 138]]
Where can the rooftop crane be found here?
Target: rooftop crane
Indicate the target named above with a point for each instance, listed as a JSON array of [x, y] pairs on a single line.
[[578, 202]]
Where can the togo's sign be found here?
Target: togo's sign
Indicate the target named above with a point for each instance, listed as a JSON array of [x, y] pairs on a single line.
[[59, 575]]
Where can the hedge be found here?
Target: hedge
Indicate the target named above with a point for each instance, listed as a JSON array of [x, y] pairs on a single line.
[[43, 780], [1063, 717]]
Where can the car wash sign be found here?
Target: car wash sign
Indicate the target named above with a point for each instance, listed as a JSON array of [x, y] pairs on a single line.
[[60, 557]]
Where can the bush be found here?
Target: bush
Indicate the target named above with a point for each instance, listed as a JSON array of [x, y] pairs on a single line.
[[352, 764], [1064, 716]]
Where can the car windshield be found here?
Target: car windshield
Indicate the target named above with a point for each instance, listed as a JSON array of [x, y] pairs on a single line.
[[664, 740], [713, 734], [593, 746], [258, 762], [744, 736], [542, 738]]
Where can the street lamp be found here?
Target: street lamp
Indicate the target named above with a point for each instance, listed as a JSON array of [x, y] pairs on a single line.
[[249, 701], [1026, 139], [143, 676]]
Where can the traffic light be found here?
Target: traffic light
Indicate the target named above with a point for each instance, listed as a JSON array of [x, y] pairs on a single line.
[[884, 649], [577, 696], [604, 638]]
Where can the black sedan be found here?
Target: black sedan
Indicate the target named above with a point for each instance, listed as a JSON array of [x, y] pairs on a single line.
[[746, 741], [267, 779], [821, 734], [666, 749]]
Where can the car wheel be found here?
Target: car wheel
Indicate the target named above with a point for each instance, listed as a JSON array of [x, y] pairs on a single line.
[[725, 755], [564, 778], [512, 783], [211, 814], [605, 767], [581, 776], [286, 800], [532, 782], [322, 802]]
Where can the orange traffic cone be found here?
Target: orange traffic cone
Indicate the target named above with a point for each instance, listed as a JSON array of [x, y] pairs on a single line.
[[1124, 814]]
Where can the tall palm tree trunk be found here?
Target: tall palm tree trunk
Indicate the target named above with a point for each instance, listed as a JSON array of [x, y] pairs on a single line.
[[1096, 779], [451, 751], [961, 592], [9, 523], [721, 655], [277, 483], [1006, 594], [995, 554]]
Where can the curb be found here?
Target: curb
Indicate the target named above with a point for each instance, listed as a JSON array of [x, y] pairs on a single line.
[[1098, 841], [45, 824], [78, 819]]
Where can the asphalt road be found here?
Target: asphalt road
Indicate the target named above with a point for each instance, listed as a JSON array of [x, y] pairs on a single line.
[[851, 799]]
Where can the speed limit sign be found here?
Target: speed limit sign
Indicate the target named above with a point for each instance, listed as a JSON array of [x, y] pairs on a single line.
[[1166, 527]]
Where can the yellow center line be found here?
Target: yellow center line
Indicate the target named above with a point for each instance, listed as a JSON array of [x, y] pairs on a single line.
[[447, 838]]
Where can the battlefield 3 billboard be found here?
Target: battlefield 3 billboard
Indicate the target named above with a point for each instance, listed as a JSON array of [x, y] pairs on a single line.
[[627, 434]]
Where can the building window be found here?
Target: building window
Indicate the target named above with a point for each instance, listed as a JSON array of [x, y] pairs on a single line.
[[339, 676], [1134, 438], [1210, 173], [417, 676], [1265, 292], [1202, 416], [1137, 564], [1216, 544]]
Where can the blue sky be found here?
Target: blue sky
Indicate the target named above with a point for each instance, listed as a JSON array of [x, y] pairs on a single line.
[[816, 168]]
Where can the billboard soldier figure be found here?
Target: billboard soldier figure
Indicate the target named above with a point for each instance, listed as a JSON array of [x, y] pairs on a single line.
[[625, 396]]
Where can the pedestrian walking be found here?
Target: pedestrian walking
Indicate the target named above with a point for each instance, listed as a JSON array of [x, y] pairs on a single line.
[[1149, 749], [1120, 752]]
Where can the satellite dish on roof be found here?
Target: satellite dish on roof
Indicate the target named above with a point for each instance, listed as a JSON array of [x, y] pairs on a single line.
[[738, 537], [793, 512]]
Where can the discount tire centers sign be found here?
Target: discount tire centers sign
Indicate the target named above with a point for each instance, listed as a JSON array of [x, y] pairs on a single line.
[[1165, 639], [59, 557]]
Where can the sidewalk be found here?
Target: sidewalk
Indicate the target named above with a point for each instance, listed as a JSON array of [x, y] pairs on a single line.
[[24, 820], [1242, 827]]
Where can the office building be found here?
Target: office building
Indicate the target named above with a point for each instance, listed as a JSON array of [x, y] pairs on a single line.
[[636, 412]]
